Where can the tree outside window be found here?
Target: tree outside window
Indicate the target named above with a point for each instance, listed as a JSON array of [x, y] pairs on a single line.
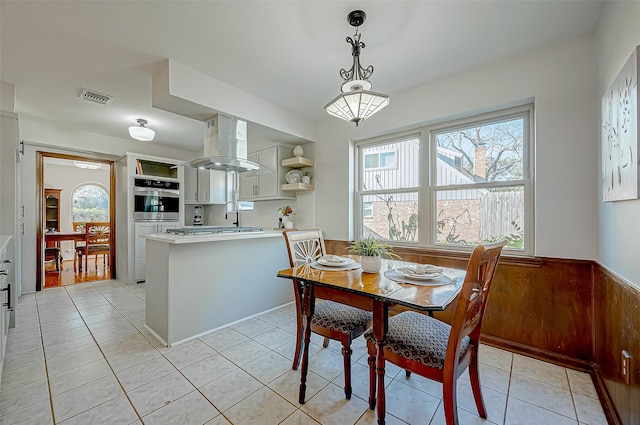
[[90, 203]]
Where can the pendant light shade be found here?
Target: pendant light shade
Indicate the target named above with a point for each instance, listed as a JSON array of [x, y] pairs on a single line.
[[356, 102], [140, 132]]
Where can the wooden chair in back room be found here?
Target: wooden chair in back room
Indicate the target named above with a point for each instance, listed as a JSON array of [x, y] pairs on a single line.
[[330, 320], [433, 349], [96, 242]]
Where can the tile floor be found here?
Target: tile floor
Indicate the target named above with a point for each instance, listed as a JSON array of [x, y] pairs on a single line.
[[80, 355]]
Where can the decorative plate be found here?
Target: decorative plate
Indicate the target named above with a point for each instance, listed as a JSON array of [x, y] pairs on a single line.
[[293, 176]]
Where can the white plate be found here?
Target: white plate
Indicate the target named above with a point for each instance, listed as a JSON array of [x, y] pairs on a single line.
[[334, 268], [342, 262], [293, 176], [408, 272], [441, 280]]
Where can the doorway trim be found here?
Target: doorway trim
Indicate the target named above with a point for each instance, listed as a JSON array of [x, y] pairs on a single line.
[[40, 155]]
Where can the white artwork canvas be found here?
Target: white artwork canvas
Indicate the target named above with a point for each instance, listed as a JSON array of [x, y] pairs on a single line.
[[620, 179]]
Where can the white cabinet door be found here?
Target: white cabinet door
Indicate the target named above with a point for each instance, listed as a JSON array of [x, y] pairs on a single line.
[[248, 182], [141, 244], [140, 248], [211, 187], [190, 185], [268, 182]]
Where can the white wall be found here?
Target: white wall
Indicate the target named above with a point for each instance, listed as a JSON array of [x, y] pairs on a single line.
[[560, 78], [619, 222]]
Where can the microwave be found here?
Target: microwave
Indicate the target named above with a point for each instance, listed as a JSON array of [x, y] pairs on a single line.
[[156, 200]]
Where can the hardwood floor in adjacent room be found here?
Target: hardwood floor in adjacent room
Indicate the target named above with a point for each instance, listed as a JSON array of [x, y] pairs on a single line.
[[70, 276]]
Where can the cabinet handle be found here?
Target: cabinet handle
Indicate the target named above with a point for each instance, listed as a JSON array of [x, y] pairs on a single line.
[[22, 229], [7, 261], [8, 303], [22, 209], [4, 273]]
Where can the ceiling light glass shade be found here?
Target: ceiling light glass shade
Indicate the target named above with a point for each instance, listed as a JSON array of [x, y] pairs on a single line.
[[140, 132], [357, 105]]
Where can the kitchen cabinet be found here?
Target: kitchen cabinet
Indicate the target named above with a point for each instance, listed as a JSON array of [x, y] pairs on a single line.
[[204, 187], [7, 287], [265, 184], [130, 257], [140, 244], [52, 209]]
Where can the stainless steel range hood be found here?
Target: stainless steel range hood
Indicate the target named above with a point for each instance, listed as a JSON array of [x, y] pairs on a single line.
[[225, 146]]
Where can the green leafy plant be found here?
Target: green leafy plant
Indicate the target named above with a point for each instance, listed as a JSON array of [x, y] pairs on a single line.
[[307, 173], [372, 247]]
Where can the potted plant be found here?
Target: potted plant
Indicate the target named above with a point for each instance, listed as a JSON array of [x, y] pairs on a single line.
[[306, 176], [370, 251]]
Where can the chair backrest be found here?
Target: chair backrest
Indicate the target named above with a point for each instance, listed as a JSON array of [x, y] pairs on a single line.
[[304, 246], [472, 301], [97, 232], [78, 226]]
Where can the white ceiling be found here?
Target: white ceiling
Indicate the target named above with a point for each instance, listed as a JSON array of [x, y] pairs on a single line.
[[287, 52]]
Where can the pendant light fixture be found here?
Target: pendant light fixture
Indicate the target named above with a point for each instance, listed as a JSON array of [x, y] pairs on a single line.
[[140, 132], [356, 102]]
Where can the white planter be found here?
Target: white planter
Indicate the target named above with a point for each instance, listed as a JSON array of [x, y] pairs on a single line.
[[306, 179], [371, 264], [288, 223]]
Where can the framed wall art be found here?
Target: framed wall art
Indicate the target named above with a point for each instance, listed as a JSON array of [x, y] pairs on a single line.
[[620, 147]]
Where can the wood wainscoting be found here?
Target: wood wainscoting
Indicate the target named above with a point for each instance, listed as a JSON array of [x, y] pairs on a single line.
[[570, 312], [616, 328]]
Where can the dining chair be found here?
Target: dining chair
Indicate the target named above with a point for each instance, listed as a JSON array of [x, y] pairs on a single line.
[[438, 351], [330, 319], [96, 242], [53, 254], [77, 226]]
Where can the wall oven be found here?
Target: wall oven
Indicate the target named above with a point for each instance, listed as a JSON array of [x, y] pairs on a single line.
[[156, 200]]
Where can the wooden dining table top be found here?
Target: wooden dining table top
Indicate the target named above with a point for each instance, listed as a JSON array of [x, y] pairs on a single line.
[[376, 286], [64, 236]]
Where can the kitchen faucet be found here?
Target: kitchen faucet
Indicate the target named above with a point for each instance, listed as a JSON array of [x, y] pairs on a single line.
[[237, 211]]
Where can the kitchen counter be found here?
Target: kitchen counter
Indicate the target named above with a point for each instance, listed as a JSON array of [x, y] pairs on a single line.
[[216, 237], [199, 283]]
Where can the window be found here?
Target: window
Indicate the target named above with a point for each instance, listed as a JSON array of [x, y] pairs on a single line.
[[454, 184], [367, 209], [90, 203], [380, 160]]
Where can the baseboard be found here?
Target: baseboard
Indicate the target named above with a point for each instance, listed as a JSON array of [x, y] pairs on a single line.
[[605, 400]]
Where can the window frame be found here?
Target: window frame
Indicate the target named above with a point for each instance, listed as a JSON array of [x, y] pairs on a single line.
[[428, 188], [89, 183]]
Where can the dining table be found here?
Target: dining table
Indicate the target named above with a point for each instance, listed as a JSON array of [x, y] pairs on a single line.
[[375, 292], [56, 237]]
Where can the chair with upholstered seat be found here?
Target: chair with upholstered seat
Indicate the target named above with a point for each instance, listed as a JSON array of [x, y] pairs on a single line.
[[433, 349], [330, 320], [97, 241]]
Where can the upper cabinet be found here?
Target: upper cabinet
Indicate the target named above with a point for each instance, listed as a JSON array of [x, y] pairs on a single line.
[[204, 186], [266, 184]]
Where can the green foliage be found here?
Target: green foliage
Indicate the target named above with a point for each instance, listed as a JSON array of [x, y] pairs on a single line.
[[514, 240], [372, 247]]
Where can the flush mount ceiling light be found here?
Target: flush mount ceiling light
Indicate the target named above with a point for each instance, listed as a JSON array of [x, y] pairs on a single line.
[[87, 165], [356, 102], [140, 132]]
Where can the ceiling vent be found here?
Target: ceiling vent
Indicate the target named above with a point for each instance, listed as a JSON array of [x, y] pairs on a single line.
[[92, 96]]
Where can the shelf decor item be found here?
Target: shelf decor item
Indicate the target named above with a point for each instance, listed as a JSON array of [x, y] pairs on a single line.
[[297, 151], [306, 177], [370, 251], [285, 212]]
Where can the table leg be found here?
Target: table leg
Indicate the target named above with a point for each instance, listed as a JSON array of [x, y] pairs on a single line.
[[308, 303], [380, 325]]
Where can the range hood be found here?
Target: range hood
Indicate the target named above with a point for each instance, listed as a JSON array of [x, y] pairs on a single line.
[[225, 146]]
